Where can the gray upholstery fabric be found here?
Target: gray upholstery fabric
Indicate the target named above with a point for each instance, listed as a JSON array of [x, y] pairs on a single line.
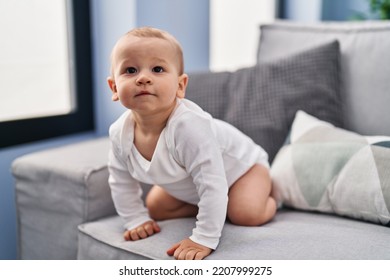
[[210, 91], [262, 100], [365, 64], [290, 235], [56, 190]]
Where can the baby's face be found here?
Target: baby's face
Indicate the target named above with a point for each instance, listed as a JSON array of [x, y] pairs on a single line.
[[145, 74]]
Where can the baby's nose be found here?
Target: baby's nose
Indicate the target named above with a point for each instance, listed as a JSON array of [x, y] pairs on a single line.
[[143, 79]]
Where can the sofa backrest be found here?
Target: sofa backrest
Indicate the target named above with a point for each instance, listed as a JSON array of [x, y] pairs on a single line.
[[365, 65]]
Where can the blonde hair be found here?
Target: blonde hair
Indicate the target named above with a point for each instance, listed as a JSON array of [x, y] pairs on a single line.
[[151, 32]]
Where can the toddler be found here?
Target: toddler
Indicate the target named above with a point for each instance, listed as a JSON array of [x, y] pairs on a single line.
[[199, 166]]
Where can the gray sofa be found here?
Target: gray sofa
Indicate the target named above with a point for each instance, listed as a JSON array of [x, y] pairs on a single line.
[[64, 205]]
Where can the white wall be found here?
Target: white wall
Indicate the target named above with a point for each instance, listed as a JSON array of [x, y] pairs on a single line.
[[234, 31]]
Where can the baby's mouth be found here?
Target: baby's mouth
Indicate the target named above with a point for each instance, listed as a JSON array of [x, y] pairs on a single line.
[[143, 93]]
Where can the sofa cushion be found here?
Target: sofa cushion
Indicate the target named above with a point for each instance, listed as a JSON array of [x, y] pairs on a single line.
[[262, 100], [365, 66], [333, 170], [290, 235], [210, 91]]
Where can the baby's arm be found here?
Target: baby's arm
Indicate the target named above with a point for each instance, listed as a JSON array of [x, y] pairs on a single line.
[[142, 231], [198, 151], [126, 194]]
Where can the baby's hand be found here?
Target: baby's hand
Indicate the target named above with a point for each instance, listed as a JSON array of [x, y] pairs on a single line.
[[189, 250], [145, 230]]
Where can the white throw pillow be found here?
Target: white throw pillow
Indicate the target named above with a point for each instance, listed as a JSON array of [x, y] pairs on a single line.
[[327, 169]]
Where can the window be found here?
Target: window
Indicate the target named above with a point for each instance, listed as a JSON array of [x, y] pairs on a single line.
[[45, 65]]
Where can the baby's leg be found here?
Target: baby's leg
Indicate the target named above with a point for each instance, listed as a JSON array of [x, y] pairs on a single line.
[[250, 201], [162, 205]]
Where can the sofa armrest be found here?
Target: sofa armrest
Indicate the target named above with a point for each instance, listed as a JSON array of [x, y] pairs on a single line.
[[57, 190]]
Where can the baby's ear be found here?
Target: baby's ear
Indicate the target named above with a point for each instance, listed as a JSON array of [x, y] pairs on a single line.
[[181, 90], [112, 85]]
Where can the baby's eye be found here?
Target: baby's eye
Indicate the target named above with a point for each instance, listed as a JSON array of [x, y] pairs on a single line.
[[131, 70], [158, 69]]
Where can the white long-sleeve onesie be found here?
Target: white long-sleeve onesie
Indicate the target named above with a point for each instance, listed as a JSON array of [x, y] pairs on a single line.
[[196, 160]]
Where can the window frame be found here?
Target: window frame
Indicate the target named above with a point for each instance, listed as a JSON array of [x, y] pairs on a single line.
[[16, 132]]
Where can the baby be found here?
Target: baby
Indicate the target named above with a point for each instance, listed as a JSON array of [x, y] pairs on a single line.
[[200, 167]]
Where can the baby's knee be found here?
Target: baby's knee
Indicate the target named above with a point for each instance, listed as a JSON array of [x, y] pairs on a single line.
[[253, 216], [153, 204], [242, 218], [154, 210]]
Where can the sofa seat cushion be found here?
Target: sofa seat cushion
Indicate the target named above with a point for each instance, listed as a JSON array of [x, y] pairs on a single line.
[[290, 235]]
